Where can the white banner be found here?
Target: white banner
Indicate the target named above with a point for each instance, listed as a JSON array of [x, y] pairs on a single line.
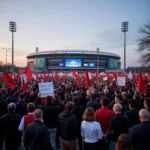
[[121, 81], [104, 78], [46, 89]]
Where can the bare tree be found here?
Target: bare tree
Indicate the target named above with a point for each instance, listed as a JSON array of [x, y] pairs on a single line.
[[144, 44]]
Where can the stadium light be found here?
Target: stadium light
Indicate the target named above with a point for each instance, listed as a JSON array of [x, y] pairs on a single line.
[[124, 29], [98, 50], [12, 28]]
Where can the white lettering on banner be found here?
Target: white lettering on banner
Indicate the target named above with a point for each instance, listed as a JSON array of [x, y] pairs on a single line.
[[46, 89], [121, 81]]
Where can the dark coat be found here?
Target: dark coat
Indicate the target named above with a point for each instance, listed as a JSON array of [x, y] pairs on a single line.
[[9, 124], [118, 126], [3, 107], [21, 108], [133, 117], [11, 99], [67, 126], [94, 104], [51, 113], [33, 97], [140, 136], [78, 112], [36, 137]]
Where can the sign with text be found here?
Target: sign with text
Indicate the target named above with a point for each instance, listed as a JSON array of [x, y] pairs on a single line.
[[46, 89], [121, 81], [104, 78]]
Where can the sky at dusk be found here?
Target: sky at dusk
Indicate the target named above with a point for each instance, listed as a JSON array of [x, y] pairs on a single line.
[[71, 25]]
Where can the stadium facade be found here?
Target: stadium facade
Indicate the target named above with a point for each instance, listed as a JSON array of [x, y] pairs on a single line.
[[66, 60]]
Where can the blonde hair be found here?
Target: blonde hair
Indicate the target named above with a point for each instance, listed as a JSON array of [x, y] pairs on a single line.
[[89, 114]]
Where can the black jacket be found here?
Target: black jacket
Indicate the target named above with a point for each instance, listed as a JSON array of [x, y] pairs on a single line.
[[133, 117], [36, 137], [21, 108], [9, 124], [11, 99], [67, 126], [118, 126], [33, 97], [140, 136], [94, 104], [3, 107], [78, 112], [51, 113]]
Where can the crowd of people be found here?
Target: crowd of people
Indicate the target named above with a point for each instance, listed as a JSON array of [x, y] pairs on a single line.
[[103, 116]]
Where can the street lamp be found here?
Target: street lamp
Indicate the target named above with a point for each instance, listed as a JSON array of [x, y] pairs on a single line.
[[12, 28], [37, 50], [124, 29], [6, 55], [98, 50]]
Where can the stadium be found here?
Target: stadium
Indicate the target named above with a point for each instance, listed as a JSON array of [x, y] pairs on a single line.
[[66, 60]]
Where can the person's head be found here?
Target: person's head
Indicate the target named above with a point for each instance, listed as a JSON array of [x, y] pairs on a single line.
[[75, 99], [12, 93], [144, 115], [117, 92], [89, 92], [70, 106], [21, 96], [130, 91], [93, 97], [11, 107], [124, 142], [132, 104], [104, 102], [30, 107], [49, 99], [89, 114], [118, 98], [67, 96], [106, 91], [147, 103], [117, 108], [38, 113], [124, 95]]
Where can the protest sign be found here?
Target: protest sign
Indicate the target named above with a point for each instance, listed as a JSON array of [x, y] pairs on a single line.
[[104, 78], [46, 89], [121, 81]]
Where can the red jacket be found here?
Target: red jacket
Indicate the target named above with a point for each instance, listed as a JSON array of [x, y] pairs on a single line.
[[103, 116], [29, 118]]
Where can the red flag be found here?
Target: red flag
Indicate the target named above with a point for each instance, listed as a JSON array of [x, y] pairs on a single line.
[[24, 87], [97, 75], [18, 75], [28, 73], [140, 83], [9, 80], [56, 76], [115, 75], [20, 71], [78, 83], [87, 80], [74, 74]]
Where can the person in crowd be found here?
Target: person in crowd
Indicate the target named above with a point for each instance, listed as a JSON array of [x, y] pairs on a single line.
[[132, 114], [138, 100], [67, 129], [9, 129], [11, 98], [107, 94], [147, 103], [27, 119], [140, 134], [104, 116], [78, 112], [93, 103], [118, 126], [21, 106], [130, 93], [88, 97], [67, 99], [82, 99], [124, 143], [51, 113], [36, 136], [91, 131], [3, 105], [33, 95]]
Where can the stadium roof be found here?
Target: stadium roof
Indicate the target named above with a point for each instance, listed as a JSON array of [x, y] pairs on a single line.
[[72, 52]]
